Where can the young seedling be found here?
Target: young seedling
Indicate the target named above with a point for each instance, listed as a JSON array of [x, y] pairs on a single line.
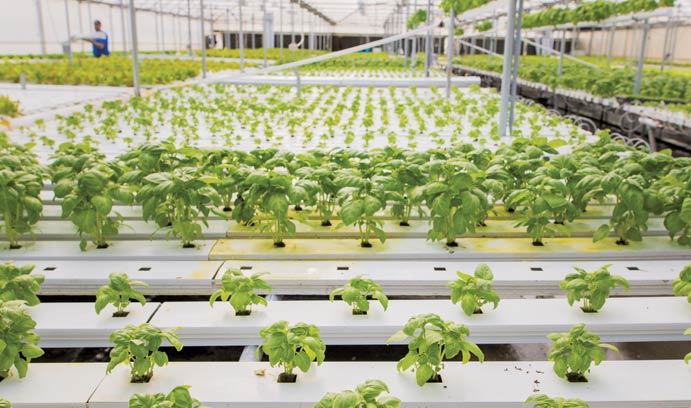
[[179, 397], [543, 401], [17, 283], [138, 347], [239, 290], [682, 285], [292, 347], [18, 340], [118, 292], [355, 294], [592, 287], [366, 395], [575, 351], [360, 199], [474, 291], [5, 403], [432, 340]]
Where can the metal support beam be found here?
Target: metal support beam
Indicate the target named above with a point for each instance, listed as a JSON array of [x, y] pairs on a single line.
[[70, 57], [562, 44], [449, 51], [124, 28], [641, 59], [135, 49], [280, 28], [189, 28], [518, 44], [507, 69], [611, 45], [201, 25], [242, 39], [428, 40], [41, 31]]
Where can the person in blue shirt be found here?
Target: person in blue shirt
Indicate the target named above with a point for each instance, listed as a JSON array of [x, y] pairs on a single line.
[[98, 40]]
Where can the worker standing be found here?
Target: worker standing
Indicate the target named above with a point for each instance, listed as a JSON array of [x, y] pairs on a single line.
[[98, 40]]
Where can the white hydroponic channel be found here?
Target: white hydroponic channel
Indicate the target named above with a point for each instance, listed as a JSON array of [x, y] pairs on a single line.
[[344, 73], [250, 117]]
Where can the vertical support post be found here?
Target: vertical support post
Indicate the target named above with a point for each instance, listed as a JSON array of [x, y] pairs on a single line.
[[298, 84], [81, 22], [506, 70], [163, 26], [265, 37], [41, 31], [242, 38], [641, 58], [413, 57], [449, 51], [665, 47], [135, 49], [158, 31], [518, 44], [227, 34], [189, 28], [201, 25], [252, 42], [124, 28], [110, 18], [280, 28], [406, 41], [611, 45], [562, 44], [428, 41], [70, 57]]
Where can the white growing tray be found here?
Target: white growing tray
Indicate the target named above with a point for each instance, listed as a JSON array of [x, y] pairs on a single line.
[[425, 278], [515, 321], [78, 325], [493, 384], [117, 251], [55, 385], [163, 277], [469, 249]]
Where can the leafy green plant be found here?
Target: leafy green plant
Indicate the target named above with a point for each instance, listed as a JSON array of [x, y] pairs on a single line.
[[87, 199], [629, 215], [543, 401], [17, 283], [272, 192], [325, 188], [118, 292], [138, 348], [365, 395], [355, 294], [20, 204], [575, 351], [179, 397], [591, 287], [179, 200], [405, 177], [474, 291], [682, 285], [239, 291], [542, 199], [18, 342], [674, 189], [8, 107], [360, 199], [454, 199], [292, 347], [5, 403], [432, 340]]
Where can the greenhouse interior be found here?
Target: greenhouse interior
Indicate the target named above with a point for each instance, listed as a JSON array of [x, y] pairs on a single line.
[[345, 203]]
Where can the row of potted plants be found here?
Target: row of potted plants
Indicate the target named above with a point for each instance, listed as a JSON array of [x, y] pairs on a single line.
[[138, 346], [178, 188]]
